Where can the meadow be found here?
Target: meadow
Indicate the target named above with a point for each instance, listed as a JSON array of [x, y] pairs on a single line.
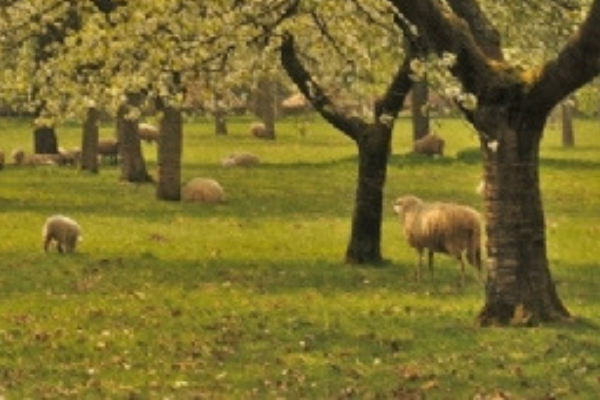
[[251, 298]]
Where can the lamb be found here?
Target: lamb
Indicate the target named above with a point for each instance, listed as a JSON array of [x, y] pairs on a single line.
[[62, 230], [441, 228], [429, 145], [109, 149], [240, 160], [148, 133], [203, 190]]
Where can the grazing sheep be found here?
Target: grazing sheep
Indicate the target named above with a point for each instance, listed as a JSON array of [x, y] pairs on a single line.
[[70, 156], [258, 130], [109, 149], [430, 145], [44, 159], [441, 228], [148, 133], [2, 159], [203, 190], [62, 230], [18, 156], [240, 160]]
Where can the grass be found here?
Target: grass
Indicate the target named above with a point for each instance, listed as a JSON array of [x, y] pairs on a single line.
[[250, 299]]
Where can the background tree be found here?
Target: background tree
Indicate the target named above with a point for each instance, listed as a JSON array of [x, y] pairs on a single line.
[[510, 113]]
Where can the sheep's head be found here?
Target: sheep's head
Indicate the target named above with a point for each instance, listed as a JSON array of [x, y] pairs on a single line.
[[404, 203]]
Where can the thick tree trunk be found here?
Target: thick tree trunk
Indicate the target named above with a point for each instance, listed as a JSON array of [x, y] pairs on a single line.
[[568, 136], [219, 115], [265, 103], [45, 141], [365, 238], [169, 155], [420, 109], [89, 141], [133, 166], [520, 289]]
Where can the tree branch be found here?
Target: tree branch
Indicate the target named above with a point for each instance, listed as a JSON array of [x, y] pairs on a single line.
[[576, 64], [313, 91]]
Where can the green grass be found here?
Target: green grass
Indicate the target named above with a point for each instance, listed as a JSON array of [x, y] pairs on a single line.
[[250, 299]]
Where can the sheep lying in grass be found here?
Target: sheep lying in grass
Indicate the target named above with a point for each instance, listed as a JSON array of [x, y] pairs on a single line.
[[148, 133], [62, 230], [441, 228], [258, 130], [429, 145], [109, 149], [240, 160], [203, 190]]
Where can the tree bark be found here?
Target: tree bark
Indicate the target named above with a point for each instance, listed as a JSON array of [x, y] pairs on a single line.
[[45, 141], [89, 141], [568, 135], [133, 165], [169, 155], [420, 109], [365, 240], [265, 104], [520, 289]]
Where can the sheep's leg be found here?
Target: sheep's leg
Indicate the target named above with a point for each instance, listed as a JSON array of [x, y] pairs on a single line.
[[419, 265], [461, 259], [47, 243], [430, 263]]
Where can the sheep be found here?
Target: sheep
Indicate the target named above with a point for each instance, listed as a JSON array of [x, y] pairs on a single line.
[[441, 228], [70, 156], [258, 130], [240, 160], [203, 190], [62, 230], [18, 156], [148, 133], [109, 149], [430, 145], [2, 159]]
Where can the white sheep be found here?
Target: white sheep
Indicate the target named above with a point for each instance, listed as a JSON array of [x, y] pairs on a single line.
[[148, 133], [203, 190], [430, 145], [240, 160], [62, 230], [441, 228], [258, 130]]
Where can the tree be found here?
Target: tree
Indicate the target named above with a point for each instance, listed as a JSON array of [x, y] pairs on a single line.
[[510, 114], [373, 140]]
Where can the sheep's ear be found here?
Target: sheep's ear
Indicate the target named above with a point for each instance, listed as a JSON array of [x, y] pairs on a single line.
[[397, 208]]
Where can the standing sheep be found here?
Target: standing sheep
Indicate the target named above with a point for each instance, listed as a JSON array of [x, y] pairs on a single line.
[[148, 133], [430, 145], [18, 156], [62, 230], [441, 228], [109, 149]]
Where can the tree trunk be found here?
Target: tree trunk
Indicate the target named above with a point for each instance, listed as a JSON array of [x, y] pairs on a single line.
[[45, 141], [365, 238], [219, 115], [568, 137], [420, 109], [89, 141], [265, 100], [169, 155], [520, 289], [133, 166]]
